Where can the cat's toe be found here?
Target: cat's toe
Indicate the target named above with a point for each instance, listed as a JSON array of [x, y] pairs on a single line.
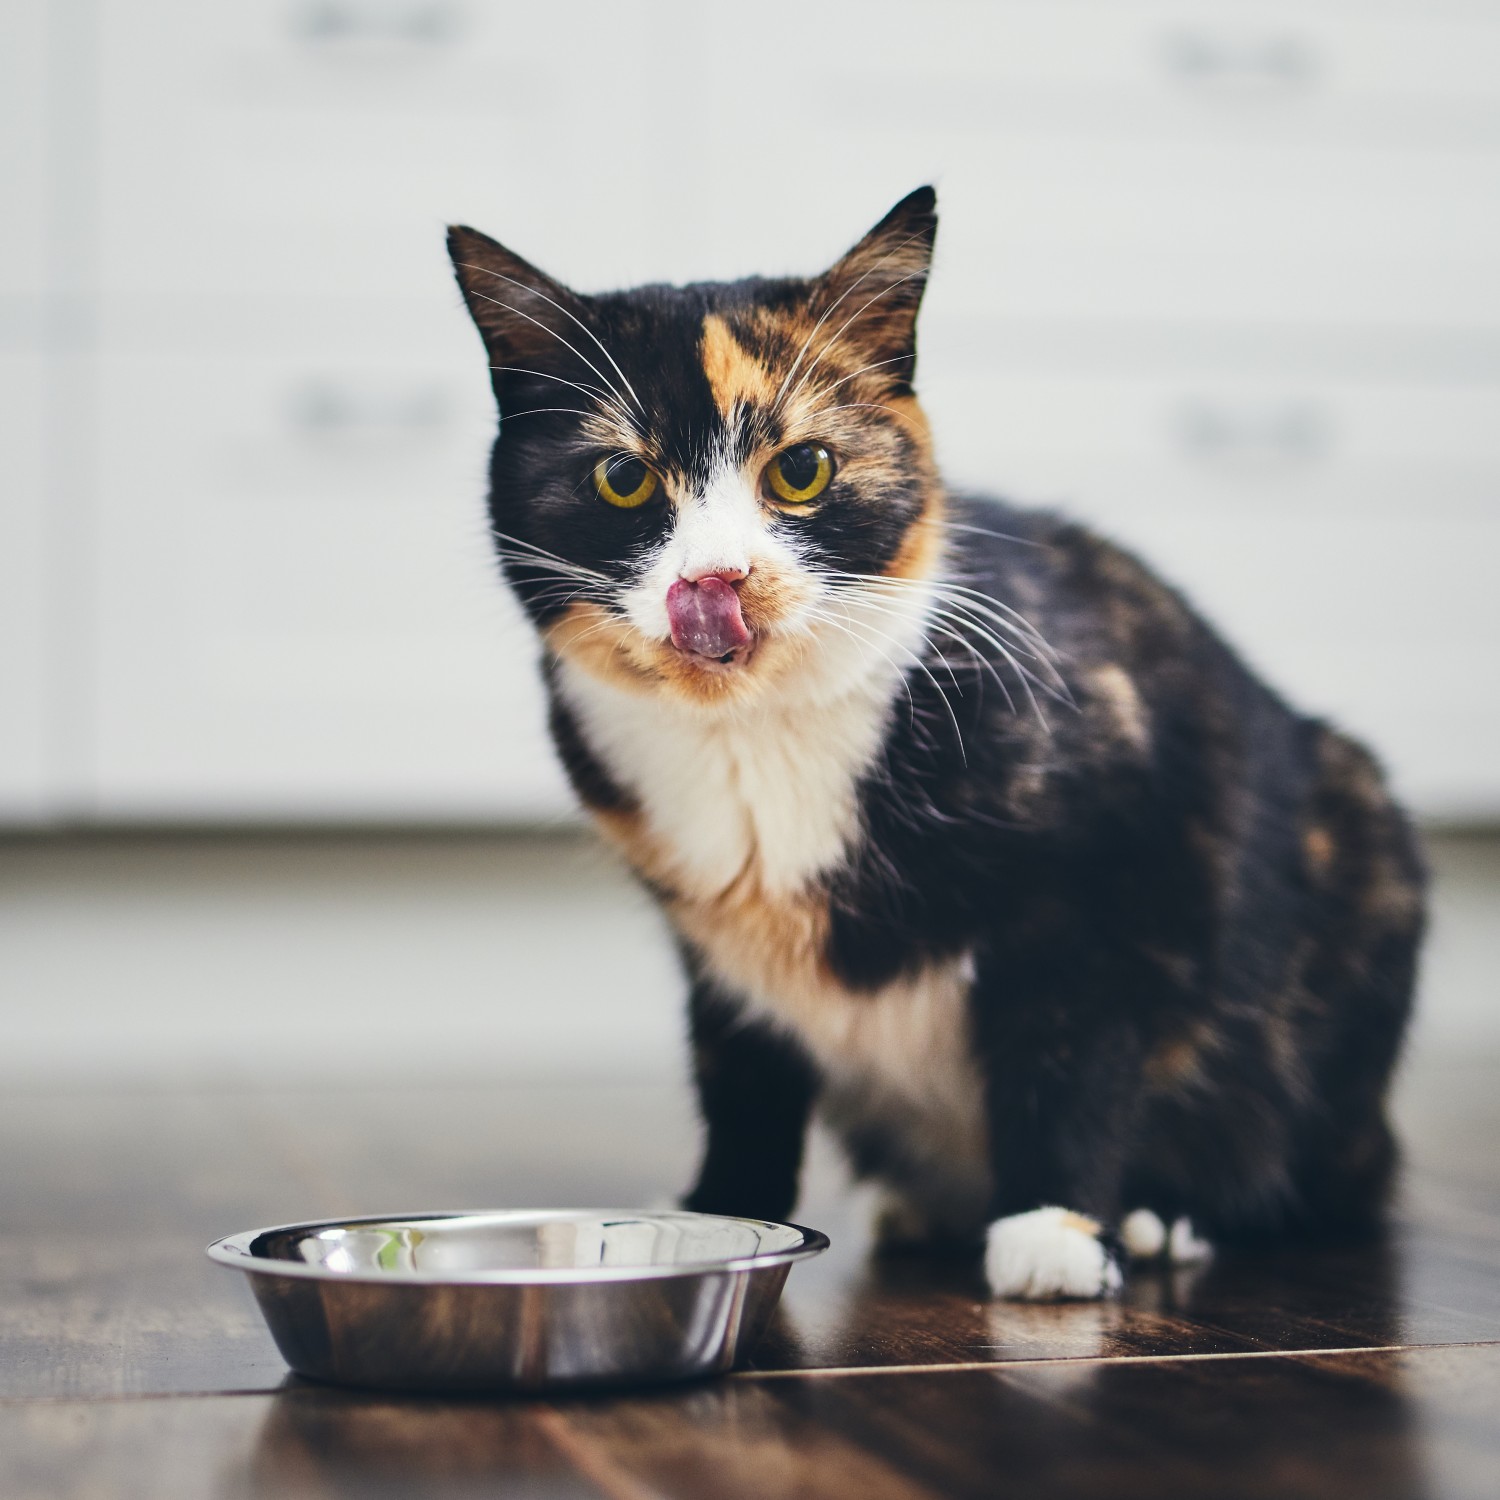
[[1143, 1234], [1046, 1254], [1184, 1248]]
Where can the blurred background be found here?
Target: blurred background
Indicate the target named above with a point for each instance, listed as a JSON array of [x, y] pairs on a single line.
[[275, 797]]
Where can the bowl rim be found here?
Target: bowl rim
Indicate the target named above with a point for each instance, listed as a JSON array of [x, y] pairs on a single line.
[[234, 1251]]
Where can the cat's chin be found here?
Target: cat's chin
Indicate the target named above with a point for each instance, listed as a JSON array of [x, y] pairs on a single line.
[[612, 651], [708, 680], [734, 661]]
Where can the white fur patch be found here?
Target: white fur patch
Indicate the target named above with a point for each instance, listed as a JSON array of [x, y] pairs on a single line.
[[901, 1060], [1048, 1253], [718, 789], [1184, 1248], [1146, 1237], [1143, 1234]]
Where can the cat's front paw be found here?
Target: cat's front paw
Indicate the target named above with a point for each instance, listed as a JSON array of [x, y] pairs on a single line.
[[1146, 1237], [1047, 1254]]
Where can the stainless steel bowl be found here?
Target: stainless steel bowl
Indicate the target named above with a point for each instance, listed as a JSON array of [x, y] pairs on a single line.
[[523, 1299]]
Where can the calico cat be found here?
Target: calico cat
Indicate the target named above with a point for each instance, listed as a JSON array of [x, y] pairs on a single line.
[[975, 838]]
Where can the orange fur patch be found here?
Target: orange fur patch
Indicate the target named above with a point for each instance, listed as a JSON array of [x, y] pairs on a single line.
[[604, 646], [1177, 1064], [1116, 691], [1081, 1222], [1317, 845], [735, 376], [920, 555]]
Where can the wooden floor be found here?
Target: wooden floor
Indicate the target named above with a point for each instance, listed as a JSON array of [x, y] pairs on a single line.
[[130, 1366]]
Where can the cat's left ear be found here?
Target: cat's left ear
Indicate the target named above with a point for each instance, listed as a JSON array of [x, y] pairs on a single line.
[[870, 297], [527, 320]]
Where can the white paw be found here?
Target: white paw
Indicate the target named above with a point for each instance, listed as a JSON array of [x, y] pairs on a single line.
[[1048, 1253], [1184, 1247], [1143, 1235]]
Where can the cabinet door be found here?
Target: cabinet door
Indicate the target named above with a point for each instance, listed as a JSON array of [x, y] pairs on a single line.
[[23, 162], [1138, 162], [1210, 442], [27, 689], [298, 612], [318, 148]]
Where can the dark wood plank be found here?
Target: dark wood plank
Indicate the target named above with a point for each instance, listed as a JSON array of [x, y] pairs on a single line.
[[1407, 1425], [1368, 1425], [303, 1444], [142, 1316], [107, 1202]]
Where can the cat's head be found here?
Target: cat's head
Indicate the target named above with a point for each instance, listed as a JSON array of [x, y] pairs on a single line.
[[716, 490]]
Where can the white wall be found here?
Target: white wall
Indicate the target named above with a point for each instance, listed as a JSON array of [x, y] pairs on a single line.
[[1218, 275]]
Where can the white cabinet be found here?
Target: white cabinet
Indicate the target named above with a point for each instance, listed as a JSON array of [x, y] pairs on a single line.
[[1211, 442], [23, 162], [27, 719], [28, 750], [298, 616], [1116, 161], [1215, 276], [317, 148]]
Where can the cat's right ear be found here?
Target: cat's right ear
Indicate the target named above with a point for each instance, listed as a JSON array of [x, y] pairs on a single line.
[[872, 294], [523, 315]]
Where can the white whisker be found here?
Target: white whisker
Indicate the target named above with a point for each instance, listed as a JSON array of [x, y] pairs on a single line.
[[1003, 536], [579, 321], [917, 662], [616, 399], [588, 390], [890, 411], [951, 604]]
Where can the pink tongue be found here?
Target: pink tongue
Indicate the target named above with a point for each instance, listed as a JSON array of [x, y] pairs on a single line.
[[705, 617]]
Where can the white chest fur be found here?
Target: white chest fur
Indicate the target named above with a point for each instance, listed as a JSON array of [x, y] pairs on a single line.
[[769, 785]]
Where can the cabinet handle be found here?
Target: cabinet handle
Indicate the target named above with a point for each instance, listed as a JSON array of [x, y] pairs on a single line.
[[414, 22], [1277, 434], [1276, 63]]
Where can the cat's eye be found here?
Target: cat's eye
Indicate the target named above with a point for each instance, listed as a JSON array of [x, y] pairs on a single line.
[[799, 473], [624, 481]]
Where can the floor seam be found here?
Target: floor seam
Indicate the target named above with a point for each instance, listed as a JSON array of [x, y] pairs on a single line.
[[832, 1372], [840, 1372], [125, 1396]]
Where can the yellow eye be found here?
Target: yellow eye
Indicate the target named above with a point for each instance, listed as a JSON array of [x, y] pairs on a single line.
[[799, 474], [624, 481]]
